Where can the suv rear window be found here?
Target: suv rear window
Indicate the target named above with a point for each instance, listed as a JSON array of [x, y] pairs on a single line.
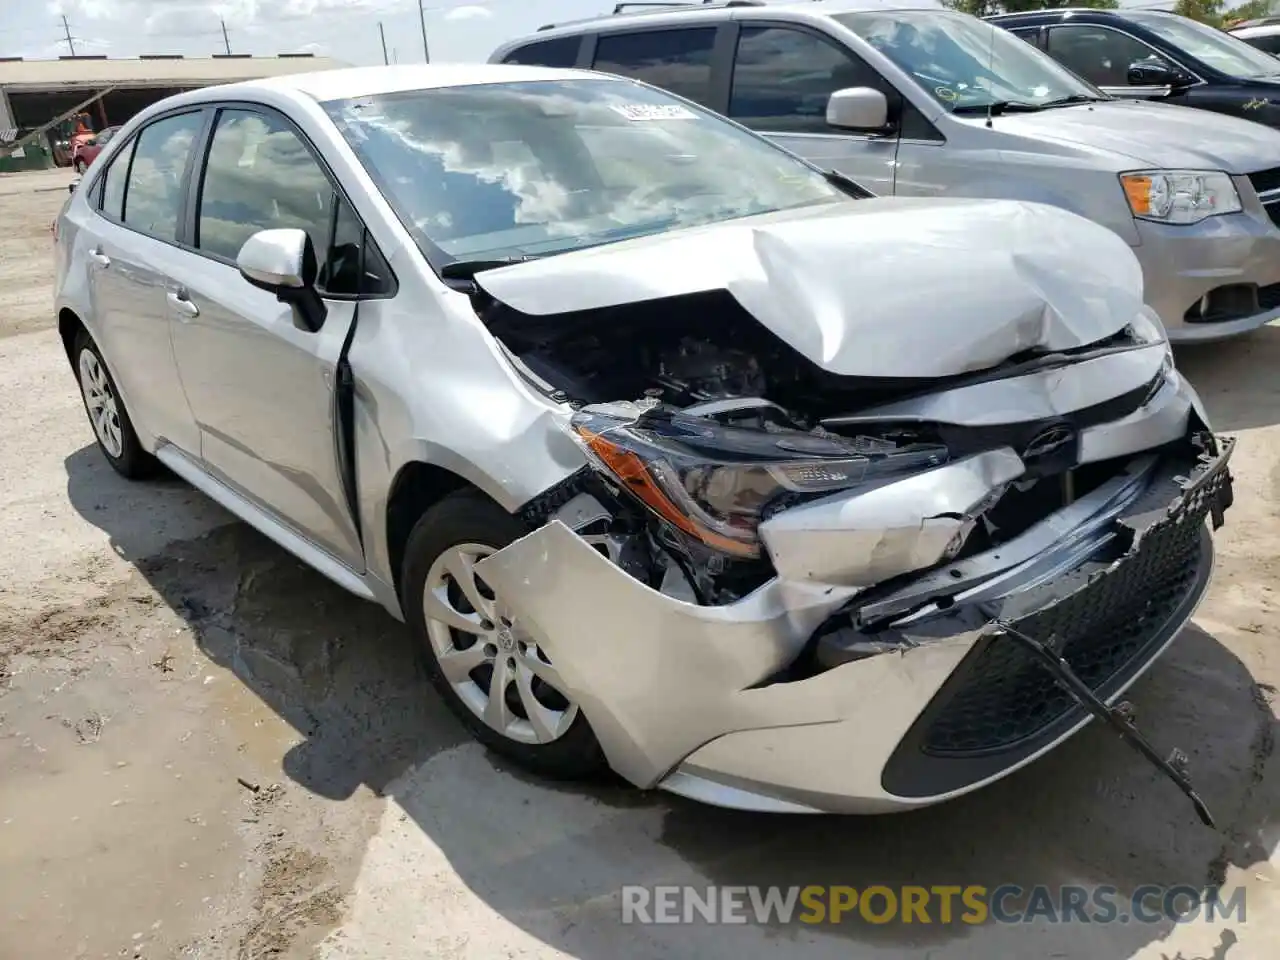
[[557, 52], [675, 60]]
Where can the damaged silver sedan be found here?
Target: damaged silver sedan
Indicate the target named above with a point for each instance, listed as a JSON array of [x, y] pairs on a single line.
[[678, 455]]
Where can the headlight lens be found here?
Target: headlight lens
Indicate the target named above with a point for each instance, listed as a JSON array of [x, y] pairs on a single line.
[[713, 482], [1179, 196]]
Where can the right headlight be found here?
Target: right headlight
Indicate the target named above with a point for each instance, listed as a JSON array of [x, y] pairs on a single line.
[[714, 482], [1179, 196]]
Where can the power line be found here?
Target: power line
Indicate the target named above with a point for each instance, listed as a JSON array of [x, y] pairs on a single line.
[[422, 18], [66, 28]]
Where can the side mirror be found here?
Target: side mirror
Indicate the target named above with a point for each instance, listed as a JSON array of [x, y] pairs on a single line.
[[283, 262], [1156, 73], [858, 108]]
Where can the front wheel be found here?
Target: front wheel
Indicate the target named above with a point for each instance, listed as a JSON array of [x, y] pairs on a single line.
[[475, 651]]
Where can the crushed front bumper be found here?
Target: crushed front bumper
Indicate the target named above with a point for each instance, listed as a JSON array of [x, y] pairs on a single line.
[[705, 700]]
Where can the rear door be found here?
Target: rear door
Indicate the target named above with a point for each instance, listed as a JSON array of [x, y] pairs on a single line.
[[134, 243], [783, 74], [263, 387]]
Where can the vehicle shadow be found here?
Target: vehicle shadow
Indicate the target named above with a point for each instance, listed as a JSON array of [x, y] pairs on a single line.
[[551, 859], [1236, 378]]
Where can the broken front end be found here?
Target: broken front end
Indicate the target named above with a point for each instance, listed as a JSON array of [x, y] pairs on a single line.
[[777, 588]]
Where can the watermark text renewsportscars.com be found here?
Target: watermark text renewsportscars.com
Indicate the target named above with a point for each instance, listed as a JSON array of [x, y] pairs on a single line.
[[938, 904]]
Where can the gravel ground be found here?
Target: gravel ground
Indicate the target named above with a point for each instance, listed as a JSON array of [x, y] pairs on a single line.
[[209, 751]]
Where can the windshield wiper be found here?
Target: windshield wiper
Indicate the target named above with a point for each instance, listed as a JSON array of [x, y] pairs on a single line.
[[467, 269], [996, 108], [847, 185], [1074, 98]]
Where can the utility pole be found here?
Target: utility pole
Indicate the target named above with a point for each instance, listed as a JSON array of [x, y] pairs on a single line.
[[422, 18], [225, 42], [72, 46], [383, 34]]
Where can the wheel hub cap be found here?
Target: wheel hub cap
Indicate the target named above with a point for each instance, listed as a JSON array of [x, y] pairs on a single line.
[[493, 665]]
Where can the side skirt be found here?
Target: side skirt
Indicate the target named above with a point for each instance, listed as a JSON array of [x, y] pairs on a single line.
[[262, 521]]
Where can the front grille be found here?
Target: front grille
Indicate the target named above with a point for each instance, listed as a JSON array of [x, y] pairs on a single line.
[[1109, 619], [1102, 628], [1263, 182], [1269, 296]]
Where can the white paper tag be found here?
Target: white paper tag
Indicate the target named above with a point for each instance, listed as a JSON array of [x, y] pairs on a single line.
[[654, 111]]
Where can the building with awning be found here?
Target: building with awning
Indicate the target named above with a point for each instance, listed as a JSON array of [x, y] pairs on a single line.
[[35, 93]]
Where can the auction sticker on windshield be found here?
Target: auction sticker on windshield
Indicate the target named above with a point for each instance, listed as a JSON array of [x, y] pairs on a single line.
[[654, 111]]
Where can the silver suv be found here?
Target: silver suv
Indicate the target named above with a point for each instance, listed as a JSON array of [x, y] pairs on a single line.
[[931, 102], [673, 455]]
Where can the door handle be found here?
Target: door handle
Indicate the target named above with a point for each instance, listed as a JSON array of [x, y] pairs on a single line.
[[180, 302], [99, 258]]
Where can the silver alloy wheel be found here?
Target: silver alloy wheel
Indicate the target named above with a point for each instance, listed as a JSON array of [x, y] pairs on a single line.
[[466, 641], [100, 401]]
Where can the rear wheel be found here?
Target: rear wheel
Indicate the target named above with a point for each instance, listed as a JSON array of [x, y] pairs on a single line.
[[110, 421], [475, 650]]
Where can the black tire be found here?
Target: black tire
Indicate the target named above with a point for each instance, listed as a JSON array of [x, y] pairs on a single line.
[[469, 517], [133, 463]]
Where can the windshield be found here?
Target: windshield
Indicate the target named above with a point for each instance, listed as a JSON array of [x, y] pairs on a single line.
[[1223, 52], [533, 168], [965, 63]]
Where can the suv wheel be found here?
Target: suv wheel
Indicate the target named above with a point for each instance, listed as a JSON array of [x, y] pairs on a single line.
[[487, 667], [110, 421]]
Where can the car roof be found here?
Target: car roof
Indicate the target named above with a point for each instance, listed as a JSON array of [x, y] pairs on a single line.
[[326, 85], [1264, 30], [723, 10]]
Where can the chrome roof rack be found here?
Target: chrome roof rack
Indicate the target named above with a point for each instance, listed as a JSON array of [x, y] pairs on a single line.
[[633, 7]]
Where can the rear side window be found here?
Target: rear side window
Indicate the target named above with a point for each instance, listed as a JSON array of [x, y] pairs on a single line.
[[782, 79], [675, 60], [259, 175], [559, 52], [1269, 42], [153, 200], [113, 184]]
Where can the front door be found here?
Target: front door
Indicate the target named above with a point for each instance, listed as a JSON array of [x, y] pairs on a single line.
[[262, 386], [783, 76]]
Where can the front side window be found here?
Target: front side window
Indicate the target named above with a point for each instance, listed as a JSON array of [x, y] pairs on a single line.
[[1266, 42], [542, 167], [782, 79], [153, 200], [966, 64], [1100, 55], [259, 176], [1223, 52], [557, 52], [675, 60]]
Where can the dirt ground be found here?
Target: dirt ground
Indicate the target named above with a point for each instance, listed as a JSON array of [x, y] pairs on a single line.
[[208, 751]]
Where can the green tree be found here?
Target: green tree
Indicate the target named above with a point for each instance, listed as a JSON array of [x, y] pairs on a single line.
[[1206, 11], [985, 8]]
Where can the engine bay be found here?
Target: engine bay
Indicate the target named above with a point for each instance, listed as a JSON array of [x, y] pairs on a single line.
[[676, 371]]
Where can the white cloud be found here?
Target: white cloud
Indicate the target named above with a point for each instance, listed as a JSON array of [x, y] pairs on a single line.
[[468, 13]]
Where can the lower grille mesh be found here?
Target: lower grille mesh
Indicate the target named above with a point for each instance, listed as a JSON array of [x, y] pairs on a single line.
[[1101, 629]]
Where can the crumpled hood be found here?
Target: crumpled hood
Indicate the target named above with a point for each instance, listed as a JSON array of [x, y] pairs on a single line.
[[1154, 135], [871, 288]]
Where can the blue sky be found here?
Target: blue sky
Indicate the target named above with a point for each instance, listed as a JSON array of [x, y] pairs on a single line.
[[457, 30]]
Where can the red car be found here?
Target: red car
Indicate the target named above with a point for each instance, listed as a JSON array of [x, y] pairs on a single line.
[[84, 151]]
